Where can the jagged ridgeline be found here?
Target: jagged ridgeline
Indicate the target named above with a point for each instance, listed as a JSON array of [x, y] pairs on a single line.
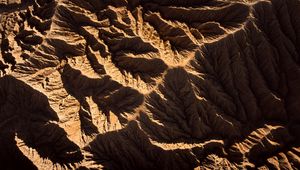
[[149, 84]]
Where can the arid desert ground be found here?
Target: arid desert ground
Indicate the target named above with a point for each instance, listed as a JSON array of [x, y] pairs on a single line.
[[149, 84]]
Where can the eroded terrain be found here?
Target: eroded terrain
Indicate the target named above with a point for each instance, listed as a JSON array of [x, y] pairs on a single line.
[[149, 84]]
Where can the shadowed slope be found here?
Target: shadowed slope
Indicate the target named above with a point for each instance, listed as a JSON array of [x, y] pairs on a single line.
[[150, 84]]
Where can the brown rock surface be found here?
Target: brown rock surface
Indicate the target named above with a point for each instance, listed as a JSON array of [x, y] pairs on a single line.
[[149, 84]]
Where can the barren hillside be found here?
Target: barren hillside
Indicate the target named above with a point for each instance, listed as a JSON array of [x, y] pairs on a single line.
[[149, 84]]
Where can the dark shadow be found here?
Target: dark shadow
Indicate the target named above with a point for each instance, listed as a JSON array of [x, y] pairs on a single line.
[[12, 7], [108, 94], [26, 113], [80, 87], [130, 148], [10, 155]]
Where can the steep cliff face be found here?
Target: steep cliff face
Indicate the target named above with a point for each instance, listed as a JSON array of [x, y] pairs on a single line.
[[149, 84]]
